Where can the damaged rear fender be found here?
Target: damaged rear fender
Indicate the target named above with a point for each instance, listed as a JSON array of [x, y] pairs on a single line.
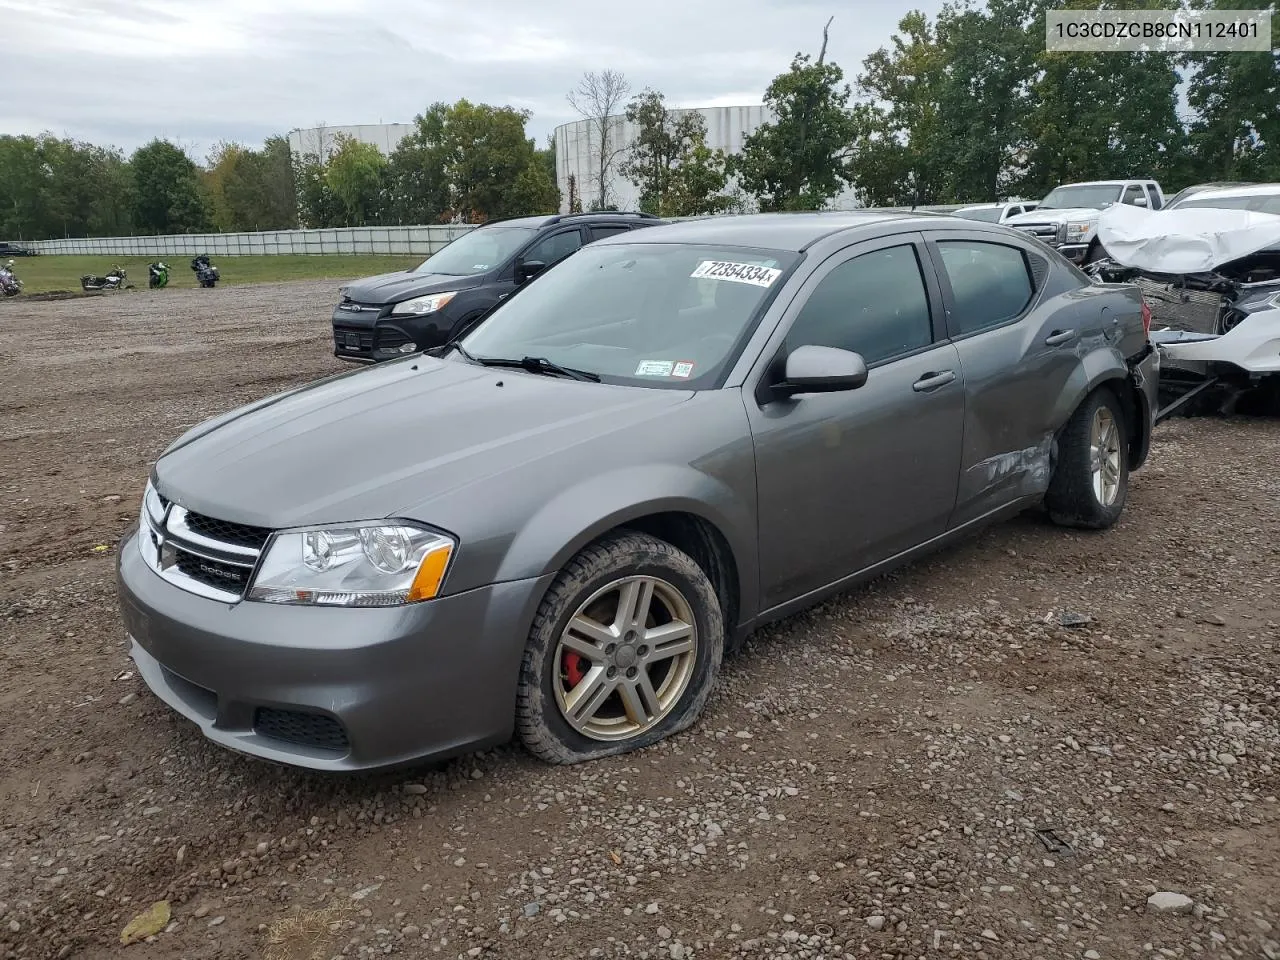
[[1105, 366]]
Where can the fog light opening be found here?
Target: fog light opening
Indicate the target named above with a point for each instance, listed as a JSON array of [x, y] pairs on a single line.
[[408, 347]]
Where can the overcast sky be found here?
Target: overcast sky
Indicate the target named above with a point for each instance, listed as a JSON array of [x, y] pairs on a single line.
[[199, 71]]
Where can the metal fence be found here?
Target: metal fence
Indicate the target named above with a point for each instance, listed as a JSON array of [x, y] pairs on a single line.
[[421, 241], [339, 240]]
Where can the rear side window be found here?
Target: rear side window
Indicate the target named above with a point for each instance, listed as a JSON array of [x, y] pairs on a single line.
[[990, 284], [1154, 195], [874, 304], [599, 233]]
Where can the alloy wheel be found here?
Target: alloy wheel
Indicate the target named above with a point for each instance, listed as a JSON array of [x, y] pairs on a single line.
[[625, 658], [1104, 456]]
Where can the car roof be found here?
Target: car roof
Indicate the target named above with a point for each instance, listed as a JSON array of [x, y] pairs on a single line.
[[1251, 190], [772, 231], [620, 216]]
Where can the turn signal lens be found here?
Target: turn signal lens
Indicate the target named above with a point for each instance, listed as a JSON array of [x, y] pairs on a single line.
[[430, 575]]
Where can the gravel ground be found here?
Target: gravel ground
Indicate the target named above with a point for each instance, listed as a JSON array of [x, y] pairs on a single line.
[[932, 766]]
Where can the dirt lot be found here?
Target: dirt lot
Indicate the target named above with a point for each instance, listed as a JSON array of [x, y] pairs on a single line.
[[869, 781]]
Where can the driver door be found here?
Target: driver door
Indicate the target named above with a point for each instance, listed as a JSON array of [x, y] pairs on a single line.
[[847, 480]]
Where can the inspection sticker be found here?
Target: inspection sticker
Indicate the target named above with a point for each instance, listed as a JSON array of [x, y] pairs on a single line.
[[655, 368], [683, 369], [736, 272]]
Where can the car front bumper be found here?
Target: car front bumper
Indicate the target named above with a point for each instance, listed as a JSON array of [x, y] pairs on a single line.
[[332, 689]]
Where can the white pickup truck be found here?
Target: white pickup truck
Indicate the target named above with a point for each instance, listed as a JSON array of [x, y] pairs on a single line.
[[1068, 217]]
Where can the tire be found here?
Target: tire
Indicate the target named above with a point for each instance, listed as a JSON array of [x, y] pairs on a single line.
[[1077, 497], [592, 585]]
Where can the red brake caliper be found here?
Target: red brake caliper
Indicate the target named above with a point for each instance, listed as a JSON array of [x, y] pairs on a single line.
[[574, 670]]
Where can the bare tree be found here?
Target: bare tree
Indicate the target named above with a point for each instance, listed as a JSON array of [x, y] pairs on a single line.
[[598, 97]]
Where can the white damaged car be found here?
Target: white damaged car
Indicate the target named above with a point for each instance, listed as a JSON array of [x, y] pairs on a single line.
[[1211, 276]]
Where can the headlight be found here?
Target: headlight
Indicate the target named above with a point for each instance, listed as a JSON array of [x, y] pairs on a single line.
[[361, 565], [1078, 231], [419, 306]]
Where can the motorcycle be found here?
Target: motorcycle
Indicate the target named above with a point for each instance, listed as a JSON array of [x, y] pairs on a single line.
[[114, 280], [206, 273], [157, 275], [10, 285]]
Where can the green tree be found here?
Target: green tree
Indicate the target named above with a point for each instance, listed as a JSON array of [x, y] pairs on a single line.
[[471, 162], [800, 161], [355, 174], [669, 160], [317, 206], [1235, 134], [169, 196]]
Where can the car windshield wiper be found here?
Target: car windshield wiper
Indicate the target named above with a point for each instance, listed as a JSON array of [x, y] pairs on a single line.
[[535, 365]]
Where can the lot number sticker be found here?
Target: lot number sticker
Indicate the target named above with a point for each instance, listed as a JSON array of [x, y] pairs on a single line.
[[735, 272]]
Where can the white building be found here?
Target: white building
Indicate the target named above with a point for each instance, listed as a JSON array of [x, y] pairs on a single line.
[[577, 153], [322, 141]]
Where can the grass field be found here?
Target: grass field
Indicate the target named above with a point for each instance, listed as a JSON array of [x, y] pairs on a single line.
[[45, 274]]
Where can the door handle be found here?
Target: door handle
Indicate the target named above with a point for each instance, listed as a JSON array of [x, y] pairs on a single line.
[[1059, 336], [932, 381]]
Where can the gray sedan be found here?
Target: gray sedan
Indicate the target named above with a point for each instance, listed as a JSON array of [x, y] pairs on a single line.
[[558, 526]]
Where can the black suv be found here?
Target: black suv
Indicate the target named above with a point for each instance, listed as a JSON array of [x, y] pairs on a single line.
[[387, 316]]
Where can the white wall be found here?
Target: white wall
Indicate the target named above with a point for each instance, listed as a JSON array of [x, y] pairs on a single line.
[[321, 140], [340, 240], [577, 152]]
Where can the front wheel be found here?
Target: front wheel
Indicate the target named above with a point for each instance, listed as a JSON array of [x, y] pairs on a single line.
[[624, 651], [1091, 479]]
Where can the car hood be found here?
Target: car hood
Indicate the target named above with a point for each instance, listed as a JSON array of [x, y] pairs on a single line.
[[374, 442], [404, 284], [1055, 215], [1194, 240]]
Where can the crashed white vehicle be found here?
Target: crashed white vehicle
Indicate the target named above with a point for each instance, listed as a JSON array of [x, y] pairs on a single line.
[[1211, 277]]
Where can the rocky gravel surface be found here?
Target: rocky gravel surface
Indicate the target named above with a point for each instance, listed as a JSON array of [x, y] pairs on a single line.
[[1039, 744]]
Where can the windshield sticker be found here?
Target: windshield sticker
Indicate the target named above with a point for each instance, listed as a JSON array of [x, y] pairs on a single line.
[[683, 369], [655, 368], [736, 272]]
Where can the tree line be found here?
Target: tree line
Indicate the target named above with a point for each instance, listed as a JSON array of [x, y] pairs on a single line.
[[964, 107]]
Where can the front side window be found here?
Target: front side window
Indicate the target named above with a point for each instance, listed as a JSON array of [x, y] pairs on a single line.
[[990, 283], [555, 248], [478, 251], [874, 305], [1132, 194], [1261, 203], [666, 315]]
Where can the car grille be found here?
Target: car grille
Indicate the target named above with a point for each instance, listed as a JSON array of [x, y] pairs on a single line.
[[1047, 232], [389, 338], [202, 555], [355, 341], [1182, 308], [294, 726]]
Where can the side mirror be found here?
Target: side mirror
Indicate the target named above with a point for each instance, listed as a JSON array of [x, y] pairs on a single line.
[[1139, 201], [814, 369], [528, 269]]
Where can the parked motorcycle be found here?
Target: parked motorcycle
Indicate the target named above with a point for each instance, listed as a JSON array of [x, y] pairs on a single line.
[[206, 273], [10, 285], [157, 275], [114, 280]]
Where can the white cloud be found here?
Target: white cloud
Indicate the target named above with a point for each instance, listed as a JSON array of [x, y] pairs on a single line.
[[124, 71]]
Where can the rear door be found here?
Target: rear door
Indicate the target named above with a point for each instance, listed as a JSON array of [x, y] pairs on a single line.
[[1016, 361]]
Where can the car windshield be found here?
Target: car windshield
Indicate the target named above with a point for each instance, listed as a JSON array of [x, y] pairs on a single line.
[[643, 314], [1095, 195], [476, 252], [991, 214], [1260, 203]]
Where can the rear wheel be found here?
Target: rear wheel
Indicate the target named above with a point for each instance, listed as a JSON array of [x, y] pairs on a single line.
[[1091, 479], [624, 651]]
